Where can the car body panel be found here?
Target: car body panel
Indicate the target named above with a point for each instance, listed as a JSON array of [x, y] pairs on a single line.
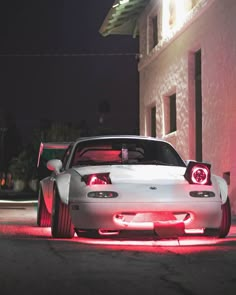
[[106, 215]]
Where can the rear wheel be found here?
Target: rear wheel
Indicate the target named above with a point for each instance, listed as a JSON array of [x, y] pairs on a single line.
[[43, 216], [61, 226], [226, 219], [224, 228]]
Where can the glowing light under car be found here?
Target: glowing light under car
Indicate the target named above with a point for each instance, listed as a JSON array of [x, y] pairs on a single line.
[[23, 228], [153, 244]]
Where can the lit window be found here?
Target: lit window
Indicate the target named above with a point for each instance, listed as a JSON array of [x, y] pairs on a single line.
[[172, 13]]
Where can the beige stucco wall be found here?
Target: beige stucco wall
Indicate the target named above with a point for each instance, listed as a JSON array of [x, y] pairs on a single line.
[[169, 68]]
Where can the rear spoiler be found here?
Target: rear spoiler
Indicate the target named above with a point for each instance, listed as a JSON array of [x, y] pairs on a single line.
[[51, 145]]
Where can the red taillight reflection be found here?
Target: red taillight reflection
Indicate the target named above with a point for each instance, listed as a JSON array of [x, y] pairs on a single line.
[[199, 174], [95, 179]]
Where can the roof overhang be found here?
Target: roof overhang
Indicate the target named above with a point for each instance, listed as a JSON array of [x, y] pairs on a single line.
[[122, 18]]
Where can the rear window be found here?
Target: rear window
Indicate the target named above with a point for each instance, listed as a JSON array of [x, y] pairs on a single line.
[[125, 151]]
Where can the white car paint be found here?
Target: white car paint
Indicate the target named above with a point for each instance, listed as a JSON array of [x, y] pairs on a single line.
[[145, 194]]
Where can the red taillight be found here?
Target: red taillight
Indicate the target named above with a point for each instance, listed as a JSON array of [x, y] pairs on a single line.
[[95, 179], [198, 173]]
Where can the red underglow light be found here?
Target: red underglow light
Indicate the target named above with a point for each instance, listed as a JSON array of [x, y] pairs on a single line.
[[158, 243], [184, 245], [18, 221]]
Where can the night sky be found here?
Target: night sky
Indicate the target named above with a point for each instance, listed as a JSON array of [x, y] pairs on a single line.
[[55, 65]]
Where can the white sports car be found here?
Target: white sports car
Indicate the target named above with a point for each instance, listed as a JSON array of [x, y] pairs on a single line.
[[109, 185]]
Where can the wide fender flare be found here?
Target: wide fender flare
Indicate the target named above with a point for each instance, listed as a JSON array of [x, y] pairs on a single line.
[[222, 187], [63, 186], [43, 186]]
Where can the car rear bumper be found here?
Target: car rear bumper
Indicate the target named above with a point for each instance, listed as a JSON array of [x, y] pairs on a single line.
[[147, 216]]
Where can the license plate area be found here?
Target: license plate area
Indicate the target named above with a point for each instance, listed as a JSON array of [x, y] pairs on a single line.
[[169, 229]]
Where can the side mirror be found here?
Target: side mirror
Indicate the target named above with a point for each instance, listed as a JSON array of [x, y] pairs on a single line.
[[54, 165]]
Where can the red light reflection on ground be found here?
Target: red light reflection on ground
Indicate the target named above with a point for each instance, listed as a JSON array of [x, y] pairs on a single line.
[[169, 242], [182, 245]]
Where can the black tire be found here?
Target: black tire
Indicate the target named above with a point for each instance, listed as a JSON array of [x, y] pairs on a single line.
[[226, 219], [61, 224], [43, 216]]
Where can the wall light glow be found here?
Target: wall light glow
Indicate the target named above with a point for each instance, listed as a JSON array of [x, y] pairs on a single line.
[[180, 11], [165, 18], [173, 14]]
